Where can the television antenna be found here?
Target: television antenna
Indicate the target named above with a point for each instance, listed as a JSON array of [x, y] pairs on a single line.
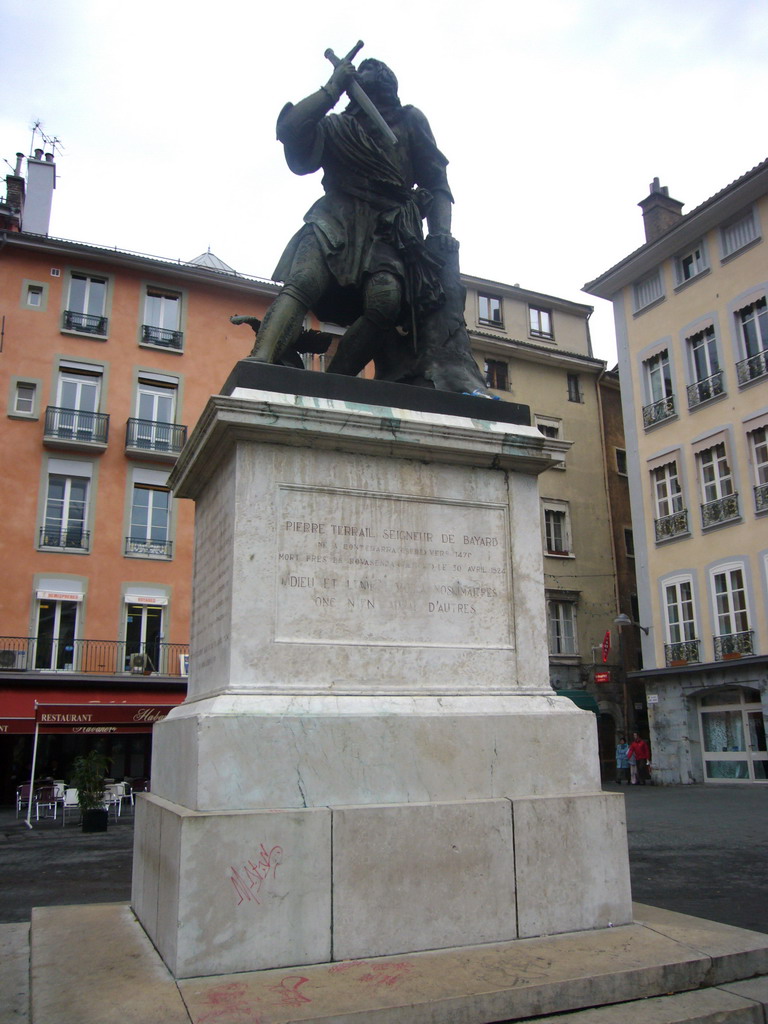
[[52, 142]]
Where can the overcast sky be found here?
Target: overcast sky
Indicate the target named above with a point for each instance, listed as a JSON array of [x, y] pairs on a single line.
[[555, 116]]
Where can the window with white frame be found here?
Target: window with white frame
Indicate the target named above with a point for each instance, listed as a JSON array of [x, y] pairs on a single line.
[[682, 642], [66, 509], [162, 319], [752, 325], [658, 384], [758, 449], [86, 304], [691, 263], [734, 636], [24, 399], [153, 427], [720, 503], [705, 367], [76, 412], [671, 513], [739, 232], [144, 649], [35, 296], [150, 519], [56, 631], [549, 426], [561, 622], [489, 310], [648, 290], [557, 528], [540, 322]]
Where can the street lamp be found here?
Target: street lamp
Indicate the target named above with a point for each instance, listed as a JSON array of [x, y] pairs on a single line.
[[624, 620]]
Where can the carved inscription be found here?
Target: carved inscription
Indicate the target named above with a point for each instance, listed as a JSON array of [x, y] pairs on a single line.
[[354, 567]]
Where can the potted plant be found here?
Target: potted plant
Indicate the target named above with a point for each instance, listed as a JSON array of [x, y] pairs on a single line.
[[88, 772]]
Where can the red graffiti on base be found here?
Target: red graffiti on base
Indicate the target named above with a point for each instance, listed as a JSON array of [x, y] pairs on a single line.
[[249, 881]]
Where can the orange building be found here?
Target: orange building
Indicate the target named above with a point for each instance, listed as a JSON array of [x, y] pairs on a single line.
[[106, 357]]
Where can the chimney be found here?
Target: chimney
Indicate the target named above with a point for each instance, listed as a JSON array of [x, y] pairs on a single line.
[[12, 207], [41, 181], [660, 213]]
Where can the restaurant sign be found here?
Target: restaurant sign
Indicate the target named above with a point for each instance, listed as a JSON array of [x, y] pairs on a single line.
[[99, 718]]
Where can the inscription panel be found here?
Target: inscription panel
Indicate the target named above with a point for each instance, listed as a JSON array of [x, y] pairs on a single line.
[[356, 567]]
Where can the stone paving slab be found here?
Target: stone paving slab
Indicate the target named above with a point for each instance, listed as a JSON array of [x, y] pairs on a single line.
[[14, 974], [95, 965]]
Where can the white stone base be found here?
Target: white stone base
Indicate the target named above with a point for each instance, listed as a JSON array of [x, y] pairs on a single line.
[[252, 890]]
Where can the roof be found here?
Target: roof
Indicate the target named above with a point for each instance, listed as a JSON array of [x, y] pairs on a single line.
[[708, 214], [210, 260]]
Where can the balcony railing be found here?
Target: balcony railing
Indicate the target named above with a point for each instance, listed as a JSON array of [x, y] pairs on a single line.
[[154, 436], [752, 368], [74, 425], [761, 498], [148, 548], [721, 510], [682, 653], [160, 337], [85, 323], [659, 411], [703, 390], [69, 538], [733, 645], [97, 657], [672, 526]]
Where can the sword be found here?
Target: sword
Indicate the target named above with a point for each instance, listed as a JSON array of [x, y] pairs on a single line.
[[358, 94]]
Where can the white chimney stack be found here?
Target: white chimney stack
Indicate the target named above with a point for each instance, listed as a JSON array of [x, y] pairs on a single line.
[[41, 181]]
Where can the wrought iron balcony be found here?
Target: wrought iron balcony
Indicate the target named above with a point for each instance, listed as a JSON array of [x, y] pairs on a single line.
[[703, 390], [672, 526], [153, 436], [97, 657], [162, 338], [659, 411], [752, 368], [148, 548], [733, 645], [75, 428], [682, 653], [85, 323], [761, 498], [69, 538], [721, 510]]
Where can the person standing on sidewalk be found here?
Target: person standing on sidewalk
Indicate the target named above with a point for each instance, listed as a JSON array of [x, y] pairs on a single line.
[[639, 755], [622, 762]]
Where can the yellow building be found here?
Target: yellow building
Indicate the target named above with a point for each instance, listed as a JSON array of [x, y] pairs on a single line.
[[692, 333]]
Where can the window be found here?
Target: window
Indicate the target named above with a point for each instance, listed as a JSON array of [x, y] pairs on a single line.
[[671, 514], [752, 324], [66, 511], [150, 519], [574, 387], [496, 374], [621, 461], [143, 636], [648, 290], [489, 310], [550, 427], [86, 305], [682, 645], [24, 399], [35, 296], [557, 528], [720, 502], [562, 627], [75, 415], [734, 635], [540, 322], [691, 263], [739, 233], [705, 366], [629, 542], [56, 631], [758, 441], [658, 383], [162, 317]]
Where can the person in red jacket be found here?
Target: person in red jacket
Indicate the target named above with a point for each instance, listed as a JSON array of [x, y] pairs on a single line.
[[639, 755]]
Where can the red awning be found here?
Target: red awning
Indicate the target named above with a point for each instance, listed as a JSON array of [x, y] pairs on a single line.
[[18, 701], [93, 718]]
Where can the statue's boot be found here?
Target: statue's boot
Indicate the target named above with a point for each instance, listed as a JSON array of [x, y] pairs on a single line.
[[358, 346], [280, 328]]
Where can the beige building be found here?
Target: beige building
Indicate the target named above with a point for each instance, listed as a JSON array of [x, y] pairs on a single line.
[[536, 349], [692, 332]]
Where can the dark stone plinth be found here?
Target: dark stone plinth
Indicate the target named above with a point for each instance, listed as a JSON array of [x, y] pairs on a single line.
[[286, 380]]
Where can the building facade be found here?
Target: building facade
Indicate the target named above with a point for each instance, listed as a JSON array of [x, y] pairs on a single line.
[[692, 333]]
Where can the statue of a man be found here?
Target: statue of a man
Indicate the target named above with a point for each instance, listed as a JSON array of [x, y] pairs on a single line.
[[361, 259]]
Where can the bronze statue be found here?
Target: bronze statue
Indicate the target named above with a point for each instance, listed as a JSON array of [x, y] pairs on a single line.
[[361, 260]]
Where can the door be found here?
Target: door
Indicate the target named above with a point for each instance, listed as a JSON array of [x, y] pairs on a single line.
[[733, 736], [143, 634], [56, 629]]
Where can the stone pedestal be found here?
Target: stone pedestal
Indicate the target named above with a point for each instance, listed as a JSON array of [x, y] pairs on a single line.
[[370, 760]]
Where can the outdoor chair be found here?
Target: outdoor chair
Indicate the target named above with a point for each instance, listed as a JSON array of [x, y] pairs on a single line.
[[69, 803], [45, 799], [23, 796]]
